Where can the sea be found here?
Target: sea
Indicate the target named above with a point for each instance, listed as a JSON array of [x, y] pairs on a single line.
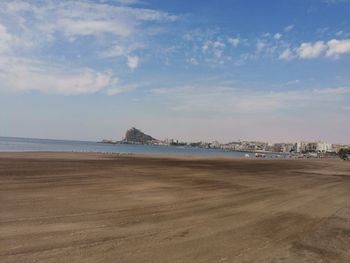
[[14, 144]]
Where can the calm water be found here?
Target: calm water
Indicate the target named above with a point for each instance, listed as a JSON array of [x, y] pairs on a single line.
[[10, 144]]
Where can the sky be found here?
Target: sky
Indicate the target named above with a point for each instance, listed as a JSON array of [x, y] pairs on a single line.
[[274, 70]]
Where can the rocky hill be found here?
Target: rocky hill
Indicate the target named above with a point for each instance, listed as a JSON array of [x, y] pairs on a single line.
[[134, 135]]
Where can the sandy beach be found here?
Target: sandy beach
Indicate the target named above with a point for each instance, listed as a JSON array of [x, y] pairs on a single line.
[[71, 207]]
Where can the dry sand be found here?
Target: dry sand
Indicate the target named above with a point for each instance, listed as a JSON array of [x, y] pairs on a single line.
[[62, 207]]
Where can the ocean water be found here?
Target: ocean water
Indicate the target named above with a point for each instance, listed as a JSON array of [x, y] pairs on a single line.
[[12, 144]]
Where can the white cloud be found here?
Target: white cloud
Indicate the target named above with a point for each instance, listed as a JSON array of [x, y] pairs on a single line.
[[218, 44], [234, 41], [289, 28], [260, 45], [311, 50], [339, 90], [28, 75], [118, 90], [192, 61], [245, 57], [277, 36], [5, 39], [159, 91], [292, 82], [214, 47], [225, 100], [218, 48], [321, 31], [115, 51], [16, 6], [10, 42], [82, 18], [133, 62], [42, 23], [36, 26], [205, 46], [308, 50], [337, 47], [86, 27], [123, 2], [339, 33], [287, 54]]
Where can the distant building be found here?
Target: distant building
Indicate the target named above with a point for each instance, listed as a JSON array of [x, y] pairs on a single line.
[[318, 147], [311, 147], [283, 147], [300, 147], [278, 147], [215, 144], [323, 147]]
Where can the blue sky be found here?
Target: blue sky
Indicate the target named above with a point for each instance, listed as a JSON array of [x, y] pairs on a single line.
[[192, 70]]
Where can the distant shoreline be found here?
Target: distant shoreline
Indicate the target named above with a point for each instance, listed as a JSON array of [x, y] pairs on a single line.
[[15, 144], [191, 147], [88, 155]]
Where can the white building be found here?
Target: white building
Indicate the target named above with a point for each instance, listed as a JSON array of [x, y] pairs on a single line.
[[300, 147], [323, 147], [215, 144]]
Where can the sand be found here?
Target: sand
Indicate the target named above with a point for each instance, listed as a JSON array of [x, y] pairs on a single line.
[[70, 207]]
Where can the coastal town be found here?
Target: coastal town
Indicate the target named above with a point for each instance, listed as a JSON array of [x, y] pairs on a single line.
[[296, 149]]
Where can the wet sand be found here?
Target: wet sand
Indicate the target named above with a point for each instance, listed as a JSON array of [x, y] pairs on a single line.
[[67, 207]]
